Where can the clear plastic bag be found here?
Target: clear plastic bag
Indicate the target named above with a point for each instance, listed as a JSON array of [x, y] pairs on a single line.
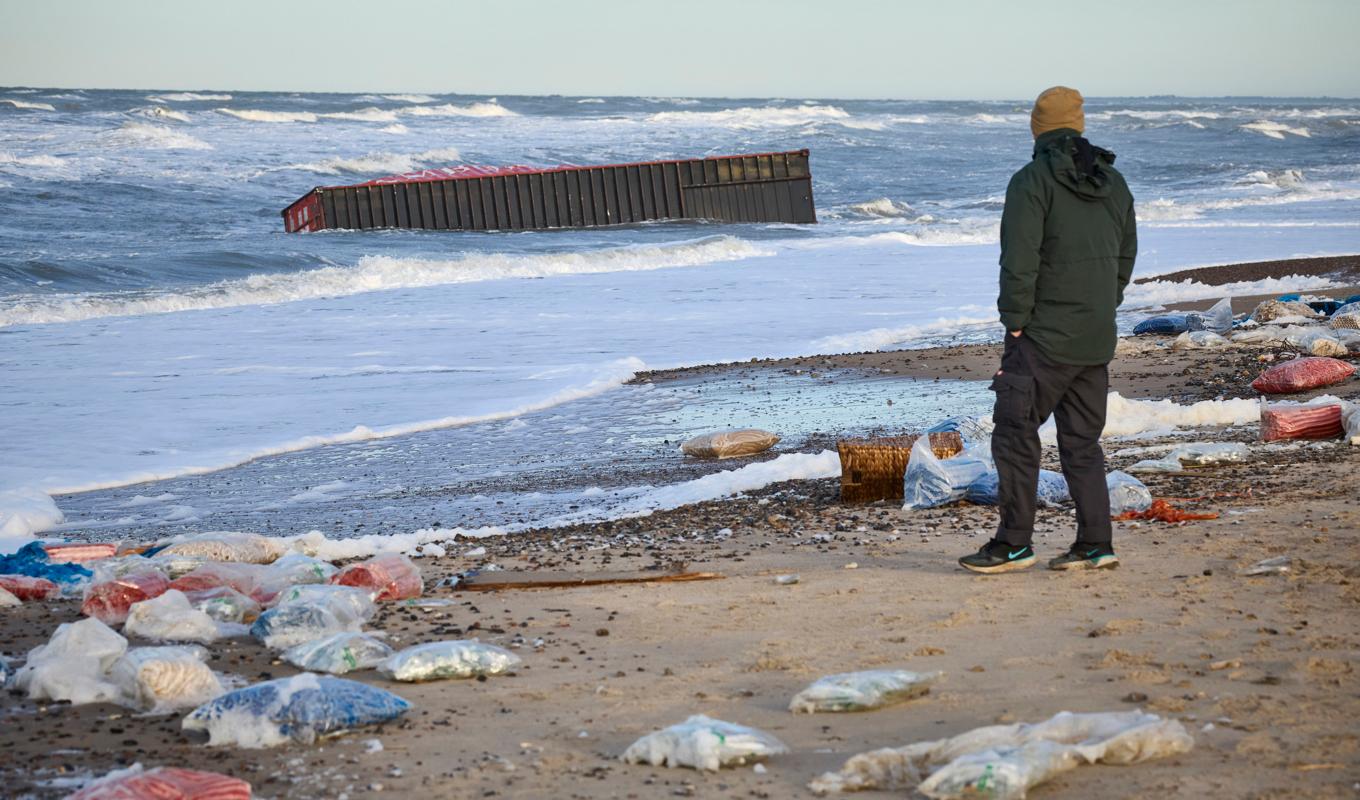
[[1350, 423], [703, 743], [1302, 374], [32, 560], [248, 579], [350, 604], [1127, 493], [8, 600], [108, 601], [296, 569], [390, 576], [27, 589], [861, 691], [460, 658], [1162, 323], [1274, 310], [72, 665], [929, 481], [730, 444], [292, 624], [1200, 340], [1197, 454], [338, 654], [302, 709], [1218, 319], [161, 679], [1315, 341], [164, 783], [1051, 490], [170, 617], [973, 430], [244, 548], [224, 604]]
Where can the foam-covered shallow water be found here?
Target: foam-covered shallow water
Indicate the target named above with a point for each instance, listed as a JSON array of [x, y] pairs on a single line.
[[155, 321]]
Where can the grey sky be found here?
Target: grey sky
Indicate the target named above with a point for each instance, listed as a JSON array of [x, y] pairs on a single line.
[[981, 49]]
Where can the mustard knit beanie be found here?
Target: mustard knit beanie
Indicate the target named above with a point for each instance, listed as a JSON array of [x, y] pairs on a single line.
[[1058, 107]]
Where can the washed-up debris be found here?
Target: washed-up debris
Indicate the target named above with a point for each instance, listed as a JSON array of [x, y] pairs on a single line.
[[1200, 340], [296, 569], [161, 679], [170, 617], [1346, 317], [8, 600], [1162, 511], [338, 653], [703, 743], [73, 665], [1274, 310], [1051, 490], [164, 783], [224, 604], [351, 604], [786, 580], [303, 708], [459, 658], [873, 469], [79, 552], [971, 429], [1197, 454], [1350, 422], [109, 600], [1127, 493], [861, 691], [1162, 324], [233, 546], [1218, 319], [27, 589], [32, 560], [390, 576], [1003, 762], [248, 579], [1302, 374], [295, 623], [497, 581], [1309, 421], [929, 481], [730, 444], [1270, 566]]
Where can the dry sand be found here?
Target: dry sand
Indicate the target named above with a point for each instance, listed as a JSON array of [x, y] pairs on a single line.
[[1264, 671]]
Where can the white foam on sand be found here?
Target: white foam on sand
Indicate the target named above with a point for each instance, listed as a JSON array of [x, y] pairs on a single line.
[[26, 511]]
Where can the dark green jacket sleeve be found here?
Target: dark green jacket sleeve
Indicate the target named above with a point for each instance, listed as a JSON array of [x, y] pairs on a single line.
[[1022, 234], [1128, 251]]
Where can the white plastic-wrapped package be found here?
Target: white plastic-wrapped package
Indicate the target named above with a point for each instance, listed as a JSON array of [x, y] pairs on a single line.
[[170, 617], [974, 763], [289, 625], [338, 653], [224, 604], [1350, 421], [160, 679], [296, 569], [350, 604], [860, 691], [1127, 493], [1316, 342], [729, 444], [1197, 454], [459, 658], [245, 548], [1199, 340], [703, 743], [8, 600], [73, 664], [930, 481], [1218, 319]]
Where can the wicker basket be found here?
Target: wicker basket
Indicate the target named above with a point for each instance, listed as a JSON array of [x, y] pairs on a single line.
[[872, 469]]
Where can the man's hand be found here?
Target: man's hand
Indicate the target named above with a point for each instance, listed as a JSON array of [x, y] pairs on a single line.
[[1016, 333]]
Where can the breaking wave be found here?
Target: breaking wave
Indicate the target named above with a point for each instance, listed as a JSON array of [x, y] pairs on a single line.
[[409, 98], [154, 137], [161, 112], [488, 109], [28, 105], [51, 162], [386, 163], [370, 114], [882, 208], [187, 97], [256, 115], [374, 274], [746, 117], [1274, 130]]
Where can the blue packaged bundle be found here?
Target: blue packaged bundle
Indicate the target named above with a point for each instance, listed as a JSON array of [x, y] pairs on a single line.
[[32, 560], [294, 623], [1163, 323], [1052, 489], [302, 708]]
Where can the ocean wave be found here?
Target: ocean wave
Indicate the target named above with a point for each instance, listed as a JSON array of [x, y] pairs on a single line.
[[27, 105], [881, 208], [879, 338], [257, 115], [370, 114], [1168, 210], [187, 97], [1170, 114], [487, 109], [585, 100], [748, 117], [51, 162], [374, 274], [363, 370], [397, 129], [409, 98], [385, 163], [153, 137], [1279, 179], [1155, 292], [1274, 130], [161, 112]]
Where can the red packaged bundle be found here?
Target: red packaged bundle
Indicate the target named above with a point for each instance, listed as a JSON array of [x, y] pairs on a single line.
[[244, 578], [1300, 422], [78, 552], [390, 577], [26, 588], [165, 783], [1302, 374], [108, 601]]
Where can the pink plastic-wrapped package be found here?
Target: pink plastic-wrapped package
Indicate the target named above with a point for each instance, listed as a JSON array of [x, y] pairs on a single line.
[[1300, 422], [27, 589], [165, 783], [79, 552], [248, 579], [390, 577], [1302, 374], [109, 600]]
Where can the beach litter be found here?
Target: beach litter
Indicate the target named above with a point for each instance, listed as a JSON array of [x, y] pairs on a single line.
[[1281, 421], [78, 552], [232, 546], [1302, 374], [295, 569], [1350, 422], [929, 481], [164, 783], [703, 743], [459, 658], [73, 664], [109, 600], [786, 580], [971, 429], [8, 600], [350, 604], [302, 709], [1197, 454], [390, 576], [862, 691], [1268, 311], [729, 444], [1270, 566], [164, 679], [33, 561], [1199, 340], [27, 589], [1162, 511], [1162, 324], [338, 653], [1218, 319], [1003, 762], [1127, 493], [1051, 490], [224, 604], [292, 624], [170, 617], [873, 469]]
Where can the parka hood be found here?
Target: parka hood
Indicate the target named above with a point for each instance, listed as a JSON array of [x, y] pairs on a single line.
[[1075, 163]]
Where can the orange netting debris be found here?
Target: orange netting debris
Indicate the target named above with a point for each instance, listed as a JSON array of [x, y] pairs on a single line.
[[1164, 512]]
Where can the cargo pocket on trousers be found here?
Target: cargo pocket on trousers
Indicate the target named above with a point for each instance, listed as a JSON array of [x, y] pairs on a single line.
[[1014, 399]]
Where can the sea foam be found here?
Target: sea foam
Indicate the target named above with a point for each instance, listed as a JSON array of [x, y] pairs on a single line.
[[27, 105]]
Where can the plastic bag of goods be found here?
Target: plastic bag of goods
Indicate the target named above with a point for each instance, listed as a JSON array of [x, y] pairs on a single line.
[[350, 604], [729, 444], [1302, 374], [248, 579], [1218, 319], [27, 589], [930, 481], [288, 625], [460, 658], [1163, 323], [1350, 422], [1127, 493], [971, 429], [1318, 342], [79, 552], [296, 569], [391, 577], [1272, 310], [159, 679], [703, 743], [1290, 421], [338, 654], [1199, 340], [1198, 454], [164, 783], [244, 548], [224, 604], [861, 691], [32, 560], [1051, 491], [72, 665], [1346, 317], [170, 617], [5, 671], [8, 600], [109, 600], [302, 709]]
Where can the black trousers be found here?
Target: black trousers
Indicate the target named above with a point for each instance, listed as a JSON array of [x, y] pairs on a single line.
[[1028, 389]]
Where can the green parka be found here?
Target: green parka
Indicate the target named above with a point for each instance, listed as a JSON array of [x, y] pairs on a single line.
[[1067, 249]]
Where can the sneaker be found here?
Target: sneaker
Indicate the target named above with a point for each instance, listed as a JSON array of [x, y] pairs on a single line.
[[996, 556], [1086, 556]]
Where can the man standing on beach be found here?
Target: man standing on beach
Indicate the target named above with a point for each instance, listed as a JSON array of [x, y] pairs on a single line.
[[1067, 250]]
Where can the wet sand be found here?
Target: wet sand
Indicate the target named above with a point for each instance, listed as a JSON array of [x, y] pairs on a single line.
[[1263, 671]]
